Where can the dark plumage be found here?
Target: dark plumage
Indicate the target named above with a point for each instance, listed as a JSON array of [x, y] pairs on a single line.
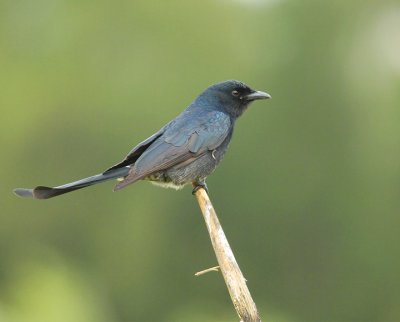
[[186, 150]]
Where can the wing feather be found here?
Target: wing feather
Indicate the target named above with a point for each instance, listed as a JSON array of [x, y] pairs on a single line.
[[182, 141], [135, 153]]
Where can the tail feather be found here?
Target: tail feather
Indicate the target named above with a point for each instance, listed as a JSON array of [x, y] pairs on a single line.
[[41, 192]]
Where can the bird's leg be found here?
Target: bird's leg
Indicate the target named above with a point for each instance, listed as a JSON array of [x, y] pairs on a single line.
[[199, 184]]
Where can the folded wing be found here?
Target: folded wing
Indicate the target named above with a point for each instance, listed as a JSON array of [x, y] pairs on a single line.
[[187, 138]]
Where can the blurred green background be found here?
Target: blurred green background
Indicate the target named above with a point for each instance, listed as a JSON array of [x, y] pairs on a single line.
[[308, 193]]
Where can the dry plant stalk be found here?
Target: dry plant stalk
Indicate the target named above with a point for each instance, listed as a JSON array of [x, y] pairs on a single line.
[[234, 280], [208, 270]]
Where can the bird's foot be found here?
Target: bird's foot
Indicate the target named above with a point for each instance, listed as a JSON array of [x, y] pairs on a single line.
[[199, 185]]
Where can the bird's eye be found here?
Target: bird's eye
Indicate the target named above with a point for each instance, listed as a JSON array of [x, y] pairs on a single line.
[[235, 93]]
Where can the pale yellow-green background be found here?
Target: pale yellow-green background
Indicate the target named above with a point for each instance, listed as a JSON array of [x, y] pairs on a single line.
[[308, 193]]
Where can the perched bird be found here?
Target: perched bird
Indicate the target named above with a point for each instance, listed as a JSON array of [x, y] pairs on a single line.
[[186, 150]]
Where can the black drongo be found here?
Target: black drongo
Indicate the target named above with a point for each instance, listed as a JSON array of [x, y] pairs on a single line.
[[186, 150]]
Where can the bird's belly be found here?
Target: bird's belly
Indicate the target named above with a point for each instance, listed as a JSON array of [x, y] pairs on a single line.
[[167, 185], [196, 169], [161, 179]]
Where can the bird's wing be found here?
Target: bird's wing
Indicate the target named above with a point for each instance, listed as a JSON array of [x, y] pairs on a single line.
[[135, 153], [186, 138]]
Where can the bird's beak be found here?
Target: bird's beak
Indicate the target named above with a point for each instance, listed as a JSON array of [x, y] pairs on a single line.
[[257, 95]]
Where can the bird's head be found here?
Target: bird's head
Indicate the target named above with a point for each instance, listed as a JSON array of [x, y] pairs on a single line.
[[232, 95]]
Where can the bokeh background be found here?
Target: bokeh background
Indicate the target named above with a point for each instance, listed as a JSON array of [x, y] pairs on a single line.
[[308, 193]]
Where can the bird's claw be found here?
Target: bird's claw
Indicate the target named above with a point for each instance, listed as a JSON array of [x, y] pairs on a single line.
[[199, 185]]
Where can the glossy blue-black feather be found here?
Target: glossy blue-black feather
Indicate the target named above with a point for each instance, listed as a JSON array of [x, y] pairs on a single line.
[[189, 136]]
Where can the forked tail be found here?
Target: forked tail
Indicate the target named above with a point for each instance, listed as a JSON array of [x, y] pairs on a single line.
[[41, 192]]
